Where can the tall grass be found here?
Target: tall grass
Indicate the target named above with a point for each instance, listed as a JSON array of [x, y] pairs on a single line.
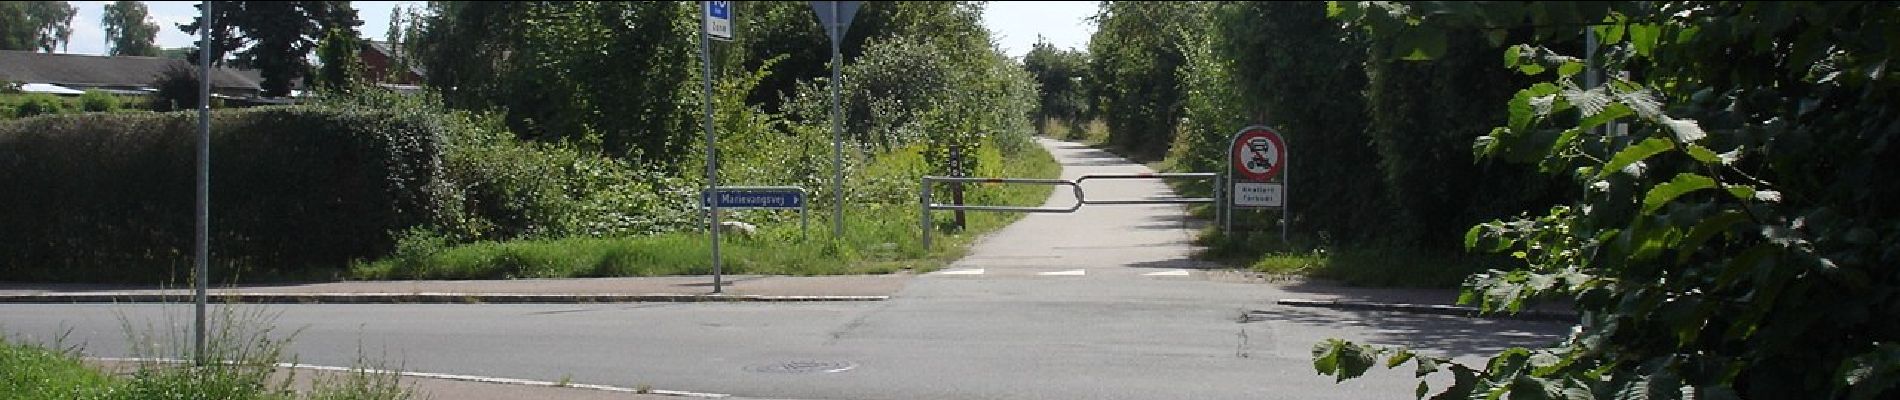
[[879, 237], [245, 361]]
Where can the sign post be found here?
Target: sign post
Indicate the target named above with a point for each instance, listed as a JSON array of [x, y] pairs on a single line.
[[716, 16], [1257, 155], [835, 17], [201, 232]]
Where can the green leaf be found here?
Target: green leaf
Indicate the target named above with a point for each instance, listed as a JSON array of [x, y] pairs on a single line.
[[1635, 153], [1703, 154], [1610, 112], [1683, 184], [1705, 230], [1612, 33], [1399, 358], [1515, 55], [1569, 69], [1643, 38], [1423, 388], [1742, 192], [1471, 236], [1326, 357], [1426, 366]]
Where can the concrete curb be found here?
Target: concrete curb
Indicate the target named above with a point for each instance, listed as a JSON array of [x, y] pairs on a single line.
[[412, 298], [1436, 309]]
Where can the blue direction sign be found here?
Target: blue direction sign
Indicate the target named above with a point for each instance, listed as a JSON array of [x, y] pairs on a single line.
[[719, 19], [756, 197]]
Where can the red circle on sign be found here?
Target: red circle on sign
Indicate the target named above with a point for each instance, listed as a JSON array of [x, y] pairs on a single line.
[[1258, 153]]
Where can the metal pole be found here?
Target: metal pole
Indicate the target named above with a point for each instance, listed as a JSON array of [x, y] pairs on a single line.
[[1286, 186], [837, 135], [956, 188], [201, 229], [712, 155], [923, 210], [1227, 221]]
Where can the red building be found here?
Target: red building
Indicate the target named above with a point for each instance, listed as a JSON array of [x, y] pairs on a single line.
[[379, 59]]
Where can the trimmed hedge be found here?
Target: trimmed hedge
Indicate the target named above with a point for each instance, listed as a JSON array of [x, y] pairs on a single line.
[[294, 192]]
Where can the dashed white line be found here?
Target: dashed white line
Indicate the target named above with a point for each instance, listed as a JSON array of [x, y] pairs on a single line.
[[1178, 272], [1073, 272], [964, 271]]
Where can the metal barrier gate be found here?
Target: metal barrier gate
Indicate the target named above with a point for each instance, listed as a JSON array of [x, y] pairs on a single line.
[[926, 205]]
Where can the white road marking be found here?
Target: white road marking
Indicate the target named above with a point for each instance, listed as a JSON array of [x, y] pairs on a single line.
[[1073, 272], [1178, 272], [965, 271], [452, 377]]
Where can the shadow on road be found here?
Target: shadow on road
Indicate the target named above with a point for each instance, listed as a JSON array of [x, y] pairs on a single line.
[[1433, 334]]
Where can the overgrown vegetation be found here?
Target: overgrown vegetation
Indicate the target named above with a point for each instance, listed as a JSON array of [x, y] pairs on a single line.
[[1381, 160], [582, 167], [1736, 239]]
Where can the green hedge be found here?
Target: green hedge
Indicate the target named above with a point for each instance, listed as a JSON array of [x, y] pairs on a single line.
[[110, 196]]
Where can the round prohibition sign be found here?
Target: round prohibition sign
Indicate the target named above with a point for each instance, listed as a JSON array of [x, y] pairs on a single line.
[[1259, 154]]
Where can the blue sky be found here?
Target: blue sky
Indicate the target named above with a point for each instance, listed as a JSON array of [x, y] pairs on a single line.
[[1015, 23]]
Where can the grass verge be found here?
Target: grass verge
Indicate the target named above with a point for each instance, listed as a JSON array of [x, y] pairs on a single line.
[[879, 238], [1357, 264], [246, 365]]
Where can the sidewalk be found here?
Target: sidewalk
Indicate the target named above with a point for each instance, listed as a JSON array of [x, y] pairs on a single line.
[[581, 290]]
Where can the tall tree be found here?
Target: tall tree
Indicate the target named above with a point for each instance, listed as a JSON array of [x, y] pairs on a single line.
[[276, 37], [129, 29], [340, 67], [1060, 74], [35, 25], [1137, 55]]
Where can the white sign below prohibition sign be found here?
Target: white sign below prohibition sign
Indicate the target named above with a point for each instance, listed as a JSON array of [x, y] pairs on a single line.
[[1259, 194]]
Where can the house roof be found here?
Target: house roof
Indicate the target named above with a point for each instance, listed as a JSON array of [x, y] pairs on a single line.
[[91, 70], [395, 52]]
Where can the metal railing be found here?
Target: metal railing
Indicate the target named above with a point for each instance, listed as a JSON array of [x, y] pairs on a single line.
[[1157, 176], [926, 204]]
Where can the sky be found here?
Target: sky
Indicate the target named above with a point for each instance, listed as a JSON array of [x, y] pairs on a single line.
[[1016, 24]]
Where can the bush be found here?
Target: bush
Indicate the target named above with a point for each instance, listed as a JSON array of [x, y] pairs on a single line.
[[177, 90], [39, 104], [294, 190], [97, 101]]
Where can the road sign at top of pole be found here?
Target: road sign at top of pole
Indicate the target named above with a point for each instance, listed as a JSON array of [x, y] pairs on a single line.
[[836, 25], [719, 19], [1259, 154]]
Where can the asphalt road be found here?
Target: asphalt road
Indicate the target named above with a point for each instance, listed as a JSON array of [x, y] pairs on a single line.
[[1099, 304]]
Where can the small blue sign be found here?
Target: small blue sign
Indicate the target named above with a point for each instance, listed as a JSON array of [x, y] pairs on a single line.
[[757, 198], [719, 20]]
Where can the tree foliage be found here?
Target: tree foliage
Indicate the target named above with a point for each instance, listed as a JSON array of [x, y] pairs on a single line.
[[340, 67], [1062, 77], [1736, 238], [1138, 49], [275, 37], [620, 77], [35, 25], [1306, 77], [129, 29]]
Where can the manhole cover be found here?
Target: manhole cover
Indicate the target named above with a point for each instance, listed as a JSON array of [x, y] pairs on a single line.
[[803, 367]]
